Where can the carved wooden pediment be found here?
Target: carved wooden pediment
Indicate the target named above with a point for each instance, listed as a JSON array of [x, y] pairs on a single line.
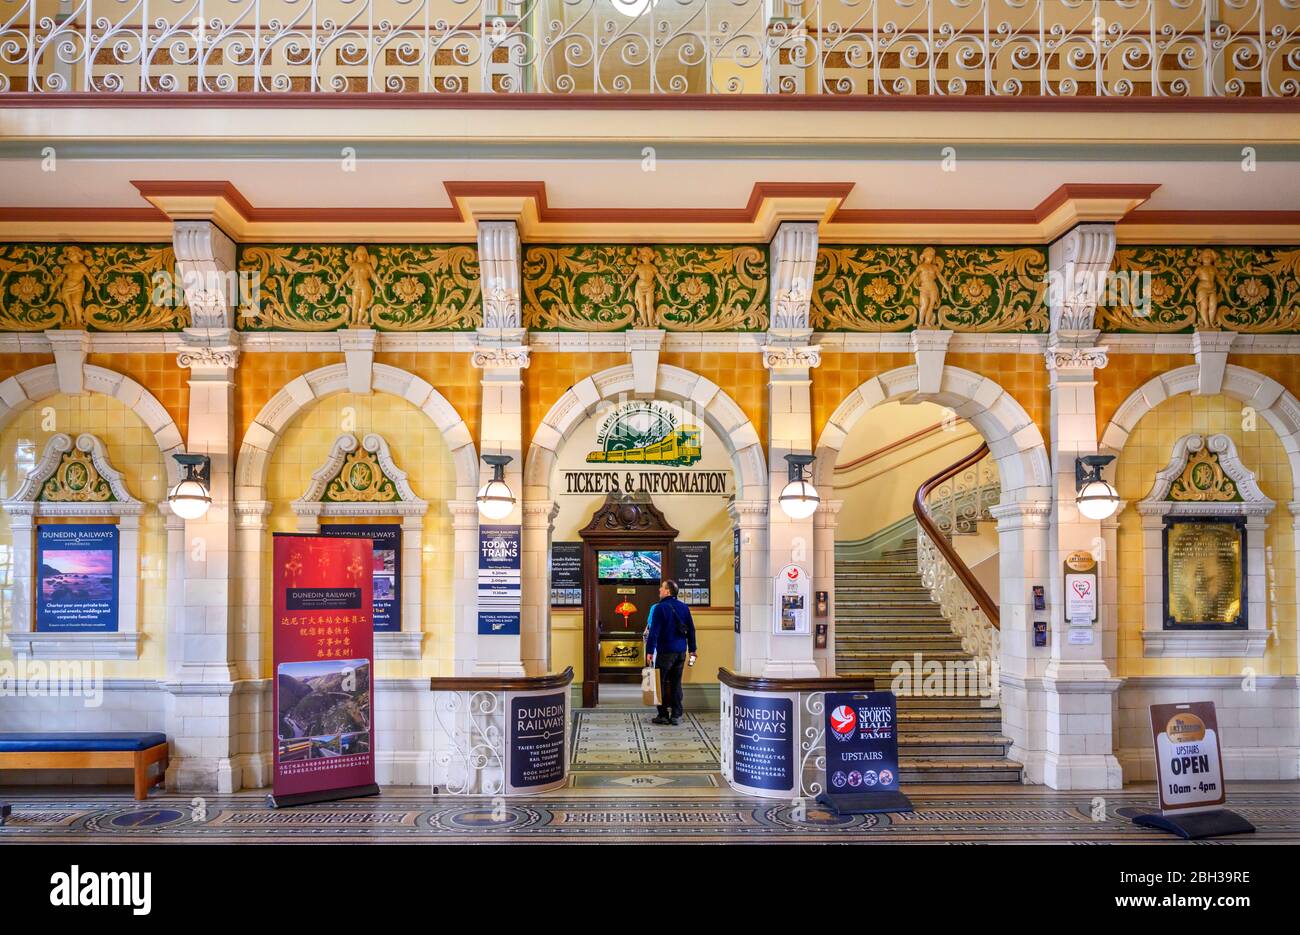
[[623, 514]]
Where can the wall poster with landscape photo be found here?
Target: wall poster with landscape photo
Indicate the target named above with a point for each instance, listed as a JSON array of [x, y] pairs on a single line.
[[77, 578], [386, 570]]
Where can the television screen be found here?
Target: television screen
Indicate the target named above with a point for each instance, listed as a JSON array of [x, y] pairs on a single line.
[[629, 565]]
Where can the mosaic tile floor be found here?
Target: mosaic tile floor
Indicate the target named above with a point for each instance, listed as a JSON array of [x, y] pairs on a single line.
[[628, 814], [626, 740]]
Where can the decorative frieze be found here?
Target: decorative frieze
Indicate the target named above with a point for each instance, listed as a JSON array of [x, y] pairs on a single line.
[[388, 287], [1250, 289], [878, 287], [90, 287], [699, 287]]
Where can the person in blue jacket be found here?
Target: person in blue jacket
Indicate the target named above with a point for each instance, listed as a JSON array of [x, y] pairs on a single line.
[[670, 634]]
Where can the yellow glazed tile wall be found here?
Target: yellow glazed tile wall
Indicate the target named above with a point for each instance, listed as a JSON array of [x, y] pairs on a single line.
[[1147, 451], [1124, 374], [741, 376], [1024, 376], [260, 376], [452, 375], [158, 374], [418, 449], [840, 374], [11, 364], [132, 450], [550, 376]]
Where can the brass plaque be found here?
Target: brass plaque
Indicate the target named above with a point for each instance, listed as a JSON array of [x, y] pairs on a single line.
[[1203, 574], [621, 654]]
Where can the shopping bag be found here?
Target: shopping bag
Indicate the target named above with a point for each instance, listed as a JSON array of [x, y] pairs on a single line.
[[651, 686]]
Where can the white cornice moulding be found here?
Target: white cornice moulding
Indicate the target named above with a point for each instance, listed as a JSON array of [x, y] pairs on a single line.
[[1205, 644], [118, 647]]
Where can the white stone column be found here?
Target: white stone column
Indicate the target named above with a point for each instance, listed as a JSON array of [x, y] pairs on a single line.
[[539, 525], [1023, 562], [750, 517], [201, 720], [825, 521], [464, 585], [789, 541], [1079, 742]]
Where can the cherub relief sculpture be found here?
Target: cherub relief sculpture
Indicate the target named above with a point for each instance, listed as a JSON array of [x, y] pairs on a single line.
[[362, 279], [928, 275], [645, 272], [1208, 279], [71, 282]]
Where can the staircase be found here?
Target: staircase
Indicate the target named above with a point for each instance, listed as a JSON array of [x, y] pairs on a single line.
[[883, 613]]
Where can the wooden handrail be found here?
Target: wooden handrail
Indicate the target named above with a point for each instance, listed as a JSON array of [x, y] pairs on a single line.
[[941, 542]]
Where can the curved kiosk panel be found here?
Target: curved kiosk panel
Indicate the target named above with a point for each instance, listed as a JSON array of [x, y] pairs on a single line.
[[501, 735], [773, 732]]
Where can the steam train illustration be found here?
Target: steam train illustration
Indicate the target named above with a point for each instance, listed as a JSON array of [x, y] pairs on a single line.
[[679, 446]]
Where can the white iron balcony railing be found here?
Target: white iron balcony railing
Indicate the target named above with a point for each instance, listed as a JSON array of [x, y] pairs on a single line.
[[1110, 48]]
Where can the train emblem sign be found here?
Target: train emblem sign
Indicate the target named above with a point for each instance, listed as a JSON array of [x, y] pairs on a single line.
[[646, 433]]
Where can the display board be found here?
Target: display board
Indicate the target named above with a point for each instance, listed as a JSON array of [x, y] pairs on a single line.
[[1189, 762], [566, 574], [386, 568], [861, 741], [323, 652], [692, 567], [1205, 573], [762, 743], [538, 754], [77, 578], [499, 580]]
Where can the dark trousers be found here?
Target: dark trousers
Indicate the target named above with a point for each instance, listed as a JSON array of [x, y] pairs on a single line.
[[670, 667]]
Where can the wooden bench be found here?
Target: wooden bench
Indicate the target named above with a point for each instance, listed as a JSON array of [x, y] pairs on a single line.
[[113, 750]]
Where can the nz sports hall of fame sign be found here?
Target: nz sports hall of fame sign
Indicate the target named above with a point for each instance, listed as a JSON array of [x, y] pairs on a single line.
[[862, 754]]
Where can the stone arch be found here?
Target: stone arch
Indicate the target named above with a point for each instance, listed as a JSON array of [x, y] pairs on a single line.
[[1013, 438], [718, 409], [264, 433], [25, 389], [1280, 409]]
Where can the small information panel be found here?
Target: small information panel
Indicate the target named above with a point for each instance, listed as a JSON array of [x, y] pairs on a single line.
[[566, 574], [792, 602], [537, 740], [762, 743], [1080, 589], [691, 568]]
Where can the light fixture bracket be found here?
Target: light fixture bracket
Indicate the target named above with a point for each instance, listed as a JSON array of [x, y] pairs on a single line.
[[498, 464], [197, 468], [798, 464], [1087, 468]]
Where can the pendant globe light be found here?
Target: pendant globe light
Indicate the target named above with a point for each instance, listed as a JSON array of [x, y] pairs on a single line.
[[799, 499], [1095, 497], [495, 499], [191, 497]]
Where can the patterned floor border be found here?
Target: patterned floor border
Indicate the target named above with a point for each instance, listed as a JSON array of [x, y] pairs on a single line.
[[954, 815], [621, 740]]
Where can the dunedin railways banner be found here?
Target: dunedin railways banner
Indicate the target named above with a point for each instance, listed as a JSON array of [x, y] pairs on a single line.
[[386, 570], [324, 656]]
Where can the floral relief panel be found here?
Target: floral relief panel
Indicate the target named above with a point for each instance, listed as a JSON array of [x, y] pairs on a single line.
[[388, 287], [698, 287], [91, 287], [879, 287], [1249, 289]]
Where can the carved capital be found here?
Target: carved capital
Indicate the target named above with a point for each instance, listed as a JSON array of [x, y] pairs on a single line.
[[205, 260], [777, 357], [1064, 357], [498, 257], [223, 358], [501, 358], [793, 263]]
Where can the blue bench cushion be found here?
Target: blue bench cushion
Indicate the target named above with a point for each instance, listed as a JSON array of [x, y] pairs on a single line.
[[78, 742]]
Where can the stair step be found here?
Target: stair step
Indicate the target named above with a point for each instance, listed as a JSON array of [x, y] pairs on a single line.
[[921, 721], [931, 770], [955, 746]]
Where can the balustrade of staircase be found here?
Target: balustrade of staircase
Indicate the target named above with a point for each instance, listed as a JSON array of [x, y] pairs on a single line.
[[957, 496]]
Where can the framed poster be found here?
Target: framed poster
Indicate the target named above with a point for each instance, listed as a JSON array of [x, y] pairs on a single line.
[[566, 574], [692, 569], [386, 568], [77, 578], [1080, 589], [323, 651]]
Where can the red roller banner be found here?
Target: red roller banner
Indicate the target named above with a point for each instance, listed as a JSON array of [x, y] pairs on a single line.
[[324, 660]]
